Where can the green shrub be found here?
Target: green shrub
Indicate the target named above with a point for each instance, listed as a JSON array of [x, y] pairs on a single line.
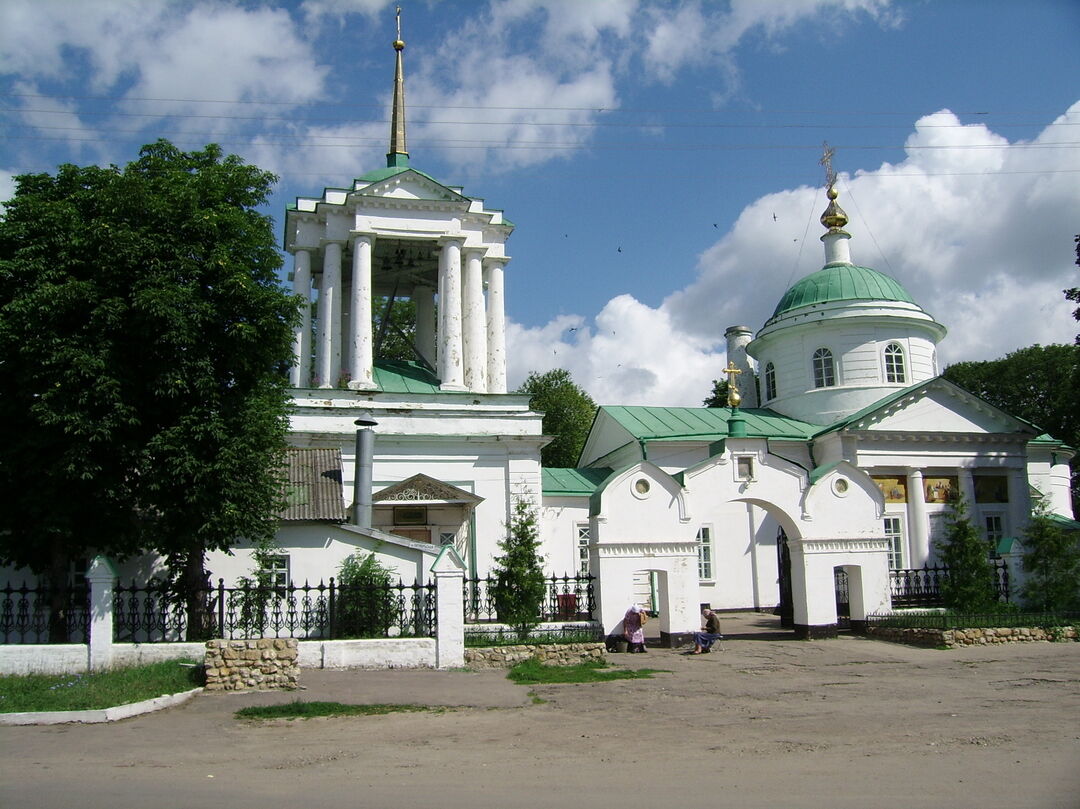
[[366, 607]]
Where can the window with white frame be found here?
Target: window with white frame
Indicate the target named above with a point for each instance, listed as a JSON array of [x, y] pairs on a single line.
[[894, 532], [824, 369], [705, 553], [447, 537], [770, 382], [584, 535], [277, 568], [744, 468], [895, 370]]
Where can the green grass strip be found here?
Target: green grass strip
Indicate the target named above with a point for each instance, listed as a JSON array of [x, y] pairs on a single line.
[[89, 692], [298, 709], [533, 672]]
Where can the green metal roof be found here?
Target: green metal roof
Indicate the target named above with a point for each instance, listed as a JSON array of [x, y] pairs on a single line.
[[573, 482], [705, 423], [398, 376], [841, 282]]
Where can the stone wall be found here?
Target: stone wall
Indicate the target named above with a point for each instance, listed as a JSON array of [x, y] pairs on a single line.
[[550, 654], [265, 663], [956, 638]]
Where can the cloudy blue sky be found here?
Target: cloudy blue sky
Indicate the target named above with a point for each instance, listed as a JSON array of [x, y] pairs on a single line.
[[660, 159]]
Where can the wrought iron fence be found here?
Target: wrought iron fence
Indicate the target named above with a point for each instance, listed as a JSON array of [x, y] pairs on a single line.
[[28, 615], [921, 587], [567, 598], [155, 614]]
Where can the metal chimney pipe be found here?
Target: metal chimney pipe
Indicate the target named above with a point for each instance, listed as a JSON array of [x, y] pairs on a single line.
[[365, 455]]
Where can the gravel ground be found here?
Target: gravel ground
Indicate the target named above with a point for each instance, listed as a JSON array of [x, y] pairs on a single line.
[[767, 722]]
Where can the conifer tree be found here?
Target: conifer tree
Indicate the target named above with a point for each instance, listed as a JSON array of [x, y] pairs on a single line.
[[1051, 562], [969, 584], [519, 587]]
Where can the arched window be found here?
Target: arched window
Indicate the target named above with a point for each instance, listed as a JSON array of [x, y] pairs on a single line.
[[770, 382], [894, 363], [824, 369]]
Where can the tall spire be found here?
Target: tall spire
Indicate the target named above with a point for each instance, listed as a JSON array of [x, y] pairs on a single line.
[[398, 154]]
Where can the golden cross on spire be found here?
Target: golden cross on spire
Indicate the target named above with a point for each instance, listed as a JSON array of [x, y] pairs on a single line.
[[826, 161], [733, 397]]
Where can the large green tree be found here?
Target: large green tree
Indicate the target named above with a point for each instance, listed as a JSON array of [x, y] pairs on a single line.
[[568, 414], [1038, 383], [144, 340]]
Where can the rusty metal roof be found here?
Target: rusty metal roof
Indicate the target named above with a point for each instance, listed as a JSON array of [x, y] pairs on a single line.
[[313, 485]]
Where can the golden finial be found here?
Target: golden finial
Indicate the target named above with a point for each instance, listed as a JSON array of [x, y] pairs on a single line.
[[399, 43], [733, 397], [834, 217]]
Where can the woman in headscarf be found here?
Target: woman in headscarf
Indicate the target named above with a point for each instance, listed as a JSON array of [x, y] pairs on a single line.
[[634, 628]]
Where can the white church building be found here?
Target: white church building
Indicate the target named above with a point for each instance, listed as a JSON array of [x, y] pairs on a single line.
[[841, 454], [838, 451]]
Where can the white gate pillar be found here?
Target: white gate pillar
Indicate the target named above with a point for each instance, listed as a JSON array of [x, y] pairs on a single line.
[[449, 572], [101, 576]]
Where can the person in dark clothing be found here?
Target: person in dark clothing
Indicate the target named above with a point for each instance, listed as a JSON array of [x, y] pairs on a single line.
[[704, 640]]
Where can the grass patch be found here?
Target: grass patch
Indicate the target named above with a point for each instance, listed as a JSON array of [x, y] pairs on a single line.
[[86, 692], [533, 672], [298, 709]]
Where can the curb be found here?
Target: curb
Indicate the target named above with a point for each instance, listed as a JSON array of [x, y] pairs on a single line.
[[100, 715]]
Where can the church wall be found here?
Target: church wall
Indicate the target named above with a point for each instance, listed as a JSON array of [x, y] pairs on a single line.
[[673, 457], [316, 550], [559, 521]]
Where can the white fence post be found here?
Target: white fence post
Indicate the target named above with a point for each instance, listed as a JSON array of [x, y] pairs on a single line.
[[101, 576], [449, 572]]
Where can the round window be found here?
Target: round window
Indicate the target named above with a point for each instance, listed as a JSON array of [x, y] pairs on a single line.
[[641, 487], [840, 486]]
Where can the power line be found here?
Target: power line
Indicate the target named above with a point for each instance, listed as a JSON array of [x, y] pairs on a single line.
[[519, 122], [598, 109]]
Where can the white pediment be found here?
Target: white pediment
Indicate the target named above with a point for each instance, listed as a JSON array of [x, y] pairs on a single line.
[[410, 185], [427, 490], [941, 407]]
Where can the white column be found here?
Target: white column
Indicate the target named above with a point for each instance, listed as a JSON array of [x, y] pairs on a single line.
[[918, 528], [362, 366], [424, 299], [450, 339], [346, 328], [330, 317], [475, 323], [1020, 502], [102, 578], [966, 481], [496, 325], [300, 375]]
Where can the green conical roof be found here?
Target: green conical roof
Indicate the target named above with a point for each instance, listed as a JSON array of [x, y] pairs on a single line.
[[841, 282]]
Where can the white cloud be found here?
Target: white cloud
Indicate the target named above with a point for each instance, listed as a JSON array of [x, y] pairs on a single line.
[[981, 238], [632, 354], [704, 33], [172, 53], [7, 187]]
